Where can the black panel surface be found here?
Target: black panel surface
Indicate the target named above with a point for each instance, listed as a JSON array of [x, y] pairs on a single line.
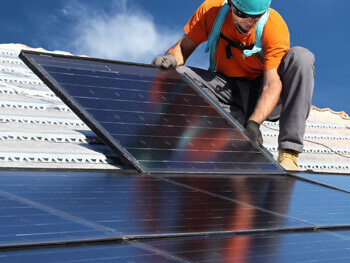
[[152, 118], [283, 195], [260, 248]]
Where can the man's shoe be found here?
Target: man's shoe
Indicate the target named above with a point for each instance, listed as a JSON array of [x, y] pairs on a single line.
[[288, 159]]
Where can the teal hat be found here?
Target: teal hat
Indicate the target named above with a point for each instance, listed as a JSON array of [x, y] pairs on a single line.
[[252, 7]]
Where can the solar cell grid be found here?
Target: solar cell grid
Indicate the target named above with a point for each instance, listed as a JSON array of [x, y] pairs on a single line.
[[152, 118], [22, 223]]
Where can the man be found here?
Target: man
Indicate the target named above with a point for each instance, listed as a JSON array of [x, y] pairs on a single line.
[[256, 76]]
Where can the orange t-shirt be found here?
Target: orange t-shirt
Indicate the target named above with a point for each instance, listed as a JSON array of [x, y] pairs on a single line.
[[275, 41]]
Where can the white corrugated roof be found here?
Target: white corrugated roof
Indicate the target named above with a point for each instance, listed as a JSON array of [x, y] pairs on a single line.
[[38, 130]]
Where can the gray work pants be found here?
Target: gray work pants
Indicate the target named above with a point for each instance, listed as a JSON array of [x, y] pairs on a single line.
[[239, 96]]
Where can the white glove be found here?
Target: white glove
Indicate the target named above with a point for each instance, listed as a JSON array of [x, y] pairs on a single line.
[[167, 62]]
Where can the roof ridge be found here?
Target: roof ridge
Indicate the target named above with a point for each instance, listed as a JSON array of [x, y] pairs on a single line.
[[342, 114], [19, 46]]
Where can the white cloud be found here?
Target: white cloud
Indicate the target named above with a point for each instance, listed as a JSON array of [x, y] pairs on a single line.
[[127, 34]]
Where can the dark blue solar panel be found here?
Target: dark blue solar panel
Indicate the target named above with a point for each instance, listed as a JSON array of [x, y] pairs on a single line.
[[285, 196], [100, 253], [22, 222], [41, 208], [152, 118], [337, 181], [143, 206], [260, 248]]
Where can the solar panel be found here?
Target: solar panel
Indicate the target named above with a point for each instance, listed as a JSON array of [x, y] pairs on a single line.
[[23, 222], [105, 252], [72, 216], [263, 247], [152, 118], [142, 206], [307, 202], [337, 181]]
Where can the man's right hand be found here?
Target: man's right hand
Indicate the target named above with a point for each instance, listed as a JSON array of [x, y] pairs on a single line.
[[167, 62], [254, 132]]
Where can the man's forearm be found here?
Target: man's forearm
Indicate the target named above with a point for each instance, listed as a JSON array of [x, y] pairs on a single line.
[[175, 51], [182, 50], [269, 97], [266, 104]]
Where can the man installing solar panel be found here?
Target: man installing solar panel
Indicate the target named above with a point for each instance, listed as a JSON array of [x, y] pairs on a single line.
[[253, 74]]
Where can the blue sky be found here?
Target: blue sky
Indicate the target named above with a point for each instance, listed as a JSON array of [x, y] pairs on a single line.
[[139, 30]]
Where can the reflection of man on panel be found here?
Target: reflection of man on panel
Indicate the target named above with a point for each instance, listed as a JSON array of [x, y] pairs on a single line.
[[210, 204], [198, 138]]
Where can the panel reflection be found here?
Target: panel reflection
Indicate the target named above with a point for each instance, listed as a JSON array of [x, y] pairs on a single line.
[[190, 210]]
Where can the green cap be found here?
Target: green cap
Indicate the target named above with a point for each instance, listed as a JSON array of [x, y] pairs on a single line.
[[252, 7]]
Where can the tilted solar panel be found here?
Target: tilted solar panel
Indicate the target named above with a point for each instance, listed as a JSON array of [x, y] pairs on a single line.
[[152, 118]]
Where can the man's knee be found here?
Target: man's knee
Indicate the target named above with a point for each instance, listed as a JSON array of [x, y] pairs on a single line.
[[299, 58], [198, 74], [302, 53]]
